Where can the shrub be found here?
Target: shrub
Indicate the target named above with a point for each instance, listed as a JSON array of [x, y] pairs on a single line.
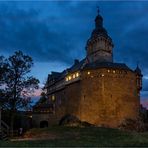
[[70, 120], [133, 125]]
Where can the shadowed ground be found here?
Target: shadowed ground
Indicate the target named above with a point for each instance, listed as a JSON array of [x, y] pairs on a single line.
[[75, 136]]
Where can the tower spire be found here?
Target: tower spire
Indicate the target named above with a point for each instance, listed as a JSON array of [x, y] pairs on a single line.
[[98, 10], [99, 19], [99, 46], [138, 70], [137, 63]]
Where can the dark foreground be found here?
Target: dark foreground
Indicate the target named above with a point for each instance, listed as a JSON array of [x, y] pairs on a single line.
[[74, 136]]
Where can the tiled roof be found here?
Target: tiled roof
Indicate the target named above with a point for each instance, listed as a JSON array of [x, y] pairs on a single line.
[[97, 64], [83, 66], [77, 66]]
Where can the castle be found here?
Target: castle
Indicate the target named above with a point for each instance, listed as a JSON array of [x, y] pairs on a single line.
[[96, 89]]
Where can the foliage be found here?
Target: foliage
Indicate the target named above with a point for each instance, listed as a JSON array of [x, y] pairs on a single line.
[[133, 125], [42, 99], [16, 85], [70, 120]]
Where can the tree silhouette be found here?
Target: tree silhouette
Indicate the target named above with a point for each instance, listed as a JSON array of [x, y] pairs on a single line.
[[16, 86]]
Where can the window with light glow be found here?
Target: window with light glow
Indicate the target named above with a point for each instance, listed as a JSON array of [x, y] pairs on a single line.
[[88, 72], [114, 71], [69, 77], [102, 75], [53, 97], [77, 74], [108, 70], [74, 75], [66, 79]]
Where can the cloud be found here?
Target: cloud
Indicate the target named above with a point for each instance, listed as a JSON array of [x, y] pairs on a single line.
[[25, 30], [58, 31], [145, 84], [144, 99]]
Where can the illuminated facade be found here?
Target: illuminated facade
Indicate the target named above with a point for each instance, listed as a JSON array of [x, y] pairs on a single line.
[[96, 89]]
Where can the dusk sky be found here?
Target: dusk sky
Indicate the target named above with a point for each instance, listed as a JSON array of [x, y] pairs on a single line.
[[54, 33]]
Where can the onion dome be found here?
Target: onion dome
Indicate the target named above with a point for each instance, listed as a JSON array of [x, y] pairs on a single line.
[[99, 29]]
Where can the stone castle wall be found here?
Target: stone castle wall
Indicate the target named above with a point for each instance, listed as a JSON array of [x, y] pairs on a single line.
[[70, 103], [109, 96], [104, 97]]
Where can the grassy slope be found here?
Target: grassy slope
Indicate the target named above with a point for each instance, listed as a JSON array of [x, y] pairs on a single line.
[[74, 136]]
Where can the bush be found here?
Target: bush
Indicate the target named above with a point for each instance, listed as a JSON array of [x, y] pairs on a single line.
[[133, 125], [70, 120]]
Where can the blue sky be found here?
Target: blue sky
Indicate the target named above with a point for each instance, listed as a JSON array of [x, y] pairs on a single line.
[[54, 33]]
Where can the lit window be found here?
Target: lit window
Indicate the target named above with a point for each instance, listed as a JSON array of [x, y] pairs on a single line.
[[88, 72], [74, 75], [108, 70], [69, 77], [114, 71], [102, 75], [66, 79], [53, 97], [77, 74]]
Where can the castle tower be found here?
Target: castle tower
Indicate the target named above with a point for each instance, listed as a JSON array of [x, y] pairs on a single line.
[[138, 78], [99, 46]]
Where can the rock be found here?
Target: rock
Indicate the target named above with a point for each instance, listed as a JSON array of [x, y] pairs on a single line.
[[69, 120]]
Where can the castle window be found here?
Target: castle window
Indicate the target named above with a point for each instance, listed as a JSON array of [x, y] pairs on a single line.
[[66, 79], [74, 75], [69, 77], [114, 71], [102, 75], [53, 97], [77, 74], [88, 72], [108, 70]]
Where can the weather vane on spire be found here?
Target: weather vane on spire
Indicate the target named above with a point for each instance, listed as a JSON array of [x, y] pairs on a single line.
[[138, 63], [98, 10]]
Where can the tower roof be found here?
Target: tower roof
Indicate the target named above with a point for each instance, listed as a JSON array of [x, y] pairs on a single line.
[[138, 70], [98, 20], [99, 29]]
